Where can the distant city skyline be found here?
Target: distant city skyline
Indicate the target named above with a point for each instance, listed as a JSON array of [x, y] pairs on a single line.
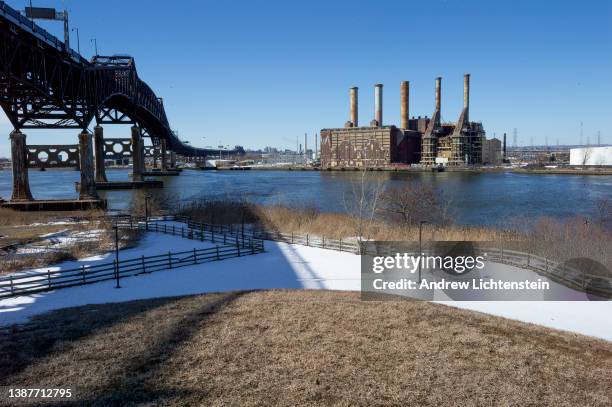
[[262, 73]]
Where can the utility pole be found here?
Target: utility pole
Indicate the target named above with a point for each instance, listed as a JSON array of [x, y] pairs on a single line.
[[598, 137]]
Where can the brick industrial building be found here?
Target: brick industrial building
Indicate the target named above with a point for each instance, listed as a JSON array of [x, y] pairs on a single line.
[[426, 141]]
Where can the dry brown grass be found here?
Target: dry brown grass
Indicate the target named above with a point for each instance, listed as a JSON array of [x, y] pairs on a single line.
[[558, 240], [19, 228], [333, 225], [302, 348]]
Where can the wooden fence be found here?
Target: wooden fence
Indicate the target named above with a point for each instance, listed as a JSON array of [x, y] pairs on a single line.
[[88, 274], [351, 246]]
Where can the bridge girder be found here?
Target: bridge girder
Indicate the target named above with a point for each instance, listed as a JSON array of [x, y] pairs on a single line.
[[43, 85]]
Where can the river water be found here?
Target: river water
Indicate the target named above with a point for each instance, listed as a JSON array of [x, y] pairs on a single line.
[[476, 198]]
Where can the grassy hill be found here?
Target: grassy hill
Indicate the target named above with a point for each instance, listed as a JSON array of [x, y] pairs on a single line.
[[302, 348]]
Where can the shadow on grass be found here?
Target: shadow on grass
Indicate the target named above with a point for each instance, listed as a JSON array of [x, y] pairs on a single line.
[[44, 338]]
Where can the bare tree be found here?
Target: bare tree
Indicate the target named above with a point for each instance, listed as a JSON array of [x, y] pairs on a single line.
[[362, 202]]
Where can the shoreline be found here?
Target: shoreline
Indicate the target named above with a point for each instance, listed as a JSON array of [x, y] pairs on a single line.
[[539, 171]]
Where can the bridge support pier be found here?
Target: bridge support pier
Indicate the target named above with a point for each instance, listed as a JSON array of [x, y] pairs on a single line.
[[88, 181], [172, 159], [99, 147], [137, 155], [19, 157], [164, 160]]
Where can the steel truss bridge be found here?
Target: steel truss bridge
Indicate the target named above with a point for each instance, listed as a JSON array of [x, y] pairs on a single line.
[[45, 85]]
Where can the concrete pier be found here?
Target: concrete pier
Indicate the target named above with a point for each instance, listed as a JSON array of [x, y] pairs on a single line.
[[137, 155], [99, 147], [172, 159], [21, 182], [164, 158], [87, 191]]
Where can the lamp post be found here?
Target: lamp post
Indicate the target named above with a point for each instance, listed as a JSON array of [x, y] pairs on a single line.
[[78, 40], [95, 42], [420, 245], [116, 255]]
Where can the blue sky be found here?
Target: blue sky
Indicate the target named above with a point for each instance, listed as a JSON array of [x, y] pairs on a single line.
[[259, 73]]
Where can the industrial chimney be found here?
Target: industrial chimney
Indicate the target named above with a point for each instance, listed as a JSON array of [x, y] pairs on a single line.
[[405, 96], [378, 104], [354, 106], [438, 93], [504, 148], [466, 95]]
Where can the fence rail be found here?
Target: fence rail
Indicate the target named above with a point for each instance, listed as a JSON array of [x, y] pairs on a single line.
[[233, 246], [351, 246], [561, 273]]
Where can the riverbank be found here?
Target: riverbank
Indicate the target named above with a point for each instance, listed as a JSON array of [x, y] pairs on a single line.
[[406, 169]]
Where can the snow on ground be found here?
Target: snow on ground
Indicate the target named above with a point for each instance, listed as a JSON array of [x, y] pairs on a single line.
[[282, 266]]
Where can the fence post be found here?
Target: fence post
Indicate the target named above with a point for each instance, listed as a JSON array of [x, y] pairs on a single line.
[[528, 260], [83, 272], [502, 250], [169, 260], [212, 234], [195, 256], [201, 232], [218, 258], [323, 241], [277, 236], [252, 247], [291, 237], [165, 231], [131, 223], [49, 277], [173, 231], [340, 244], [238, 246], [546, 263], [182, 232], [224, 238], [12, 287], [142, 261], [116, 264], [306, 239]]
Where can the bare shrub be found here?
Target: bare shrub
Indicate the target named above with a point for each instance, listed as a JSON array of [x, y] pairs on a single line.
[[414, 202]]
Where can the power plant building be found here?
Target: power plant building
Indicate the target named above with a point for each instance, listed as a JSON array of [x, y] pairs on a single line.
[[426, 141]]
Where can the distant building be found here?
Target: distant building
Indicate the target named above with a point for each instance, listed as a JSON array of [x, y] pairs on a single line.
[[426, 141], [492, 151], [599, 156]]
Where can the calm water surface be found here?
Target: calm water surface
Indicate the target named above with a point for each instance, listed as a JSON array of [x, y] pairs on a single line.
[[477, 199]]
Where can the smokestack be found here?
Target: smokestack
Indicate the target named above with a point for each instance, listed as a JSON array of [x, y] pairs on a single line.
[[305, 143], [504, 156], [466, 94], [378, 104], [438, 93], [354, 106], [405, 100]]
